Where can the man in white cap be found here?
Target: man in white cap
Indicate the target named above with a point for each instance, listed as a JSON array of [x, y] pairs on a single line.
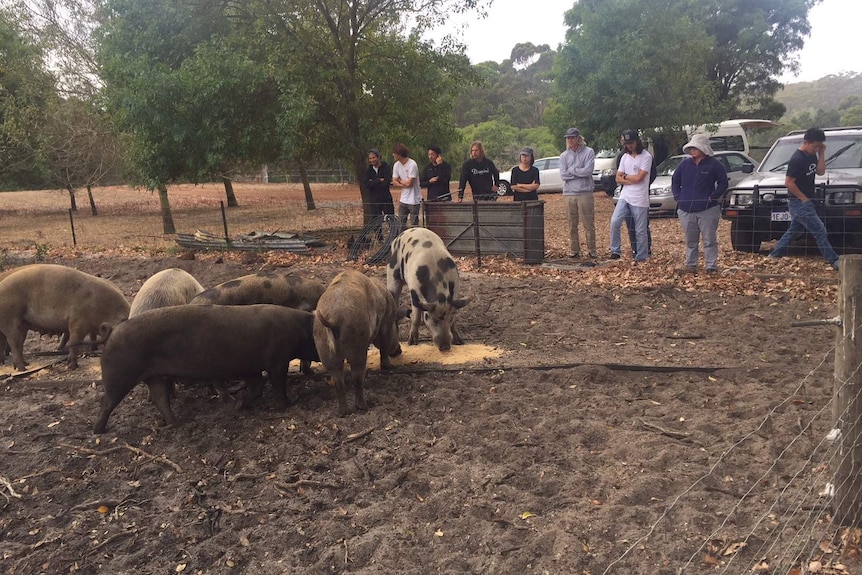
[[698, 184], [577, 163]]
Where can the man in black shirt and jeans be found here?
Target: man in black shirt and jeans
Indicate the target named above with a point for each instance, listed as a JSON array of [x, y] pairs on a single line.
[[808, 160], [378, 178], [436, 176]]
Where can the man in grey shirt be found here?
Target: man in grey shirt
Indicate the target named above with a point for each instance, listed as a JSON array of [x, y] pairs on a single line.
[[576, 170]]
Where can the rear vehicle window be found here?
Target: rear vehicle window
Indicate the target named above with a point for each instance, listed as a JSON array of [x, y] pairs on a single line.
[[727, 143]]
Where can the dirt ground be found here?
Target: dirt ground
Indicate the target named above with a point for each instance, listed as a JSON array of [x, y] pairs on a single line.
[[590, 434]]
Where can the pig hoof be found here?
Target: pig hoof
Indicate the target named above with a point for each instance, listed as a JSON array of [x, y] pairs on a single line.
[[413, 341]]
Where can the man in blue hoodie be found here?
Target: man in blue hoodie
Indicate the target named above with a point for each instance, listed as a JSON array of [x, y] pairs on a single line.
[[698, 184]]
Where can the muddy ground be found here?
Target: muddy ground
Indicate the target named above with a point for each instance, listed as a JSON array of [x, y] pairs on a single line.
[[598, 440]]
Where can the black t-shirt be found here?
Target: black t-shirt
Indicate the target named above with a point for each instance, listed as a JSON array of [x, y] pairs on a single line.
[[803, 167], [519, 176]]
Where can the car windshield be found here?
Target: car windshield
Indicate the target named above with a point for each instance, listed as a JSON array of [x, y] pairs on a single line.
[[667, 167], [842, 152], [606, 154]]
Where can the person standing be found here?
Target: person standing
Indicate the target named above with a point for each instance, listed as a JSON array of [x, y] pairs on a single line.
[[633, 176], [480, 173], [525, 177], [698, 183], [405, 175], [436, 176], [808, 160], [378, 177], [577, 163]]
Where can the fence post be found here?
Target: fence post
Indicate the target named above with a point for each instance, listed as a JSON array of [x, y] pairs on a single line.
[[847, 406]]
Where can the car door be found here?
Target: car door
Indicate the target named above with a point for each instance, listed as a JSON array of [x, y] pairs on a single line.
[[549, 175], [733, 163]]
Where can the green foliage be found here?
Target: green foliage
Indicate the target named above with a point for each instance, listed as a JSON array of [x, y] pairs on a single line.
[[517, 90], [829, 92], [640, 80], [26, 92], [852, 116], [503, 142]]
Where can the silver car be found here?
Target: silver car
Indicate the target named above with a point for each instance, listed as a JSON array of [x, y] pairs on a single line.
[[549, 177], [660, 195]]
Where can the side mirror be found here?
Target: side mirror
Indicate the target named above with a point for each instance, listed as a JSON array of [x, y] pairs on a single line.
[[747, 168]]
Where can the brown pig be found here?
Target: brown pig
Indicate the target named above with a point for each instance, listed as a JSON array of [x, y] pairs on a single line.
[[51, 298], [353, 312], [166, 288], [284, 289], [202, 343]]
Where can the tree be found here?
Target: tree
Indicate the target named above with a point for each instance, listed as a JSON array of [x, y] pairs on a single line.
[[754, 42], [641, 80], [675, 62], [26, 92], [369, 78], [80, 147], [183, 79]]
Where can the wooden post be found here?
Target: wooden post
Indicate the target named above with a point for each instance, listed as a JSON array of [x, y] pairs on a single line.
[[224, 223], [476, 233], [72, 222], [847, 406]]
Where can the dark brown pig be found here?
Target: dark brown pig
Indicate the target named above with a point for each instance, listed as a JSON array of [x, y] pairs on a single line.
[[421, 261], [167, 288], [284, 289], [55, 299], [352, 313], [202, 343]]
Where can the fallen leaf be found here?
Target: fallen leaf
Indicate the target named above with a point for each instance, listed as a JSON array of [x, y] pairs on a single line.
[[710, 378], [53, 424], [438, 533], [103, 509], [526, 515], [181, 567], [710, 560], [243, 539]]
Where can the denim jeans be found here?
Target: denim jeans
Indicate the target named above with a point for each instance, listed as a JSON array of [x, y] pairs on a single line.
[[804, 218], [697, 225], [633, 238], [641, 218]]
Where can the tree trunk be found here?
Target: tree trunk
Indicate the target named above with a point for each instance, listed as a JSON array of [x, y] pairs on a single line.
[[93, 209], [228, 190], [167, 218], [309, 199], [359, 167], [73, 205]]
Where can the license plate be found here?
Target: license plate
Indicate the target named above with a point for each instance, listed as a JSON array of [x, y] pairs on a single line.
[[780, 216]]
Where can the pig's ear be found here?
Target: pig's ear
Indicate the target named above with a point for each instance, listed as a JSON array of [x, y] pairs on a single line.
[[404, 312], [459, 303], [418, 304]]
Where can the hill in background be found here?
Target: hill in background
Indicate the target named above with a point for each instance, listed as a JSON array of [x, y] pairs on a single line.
[[823, 94]]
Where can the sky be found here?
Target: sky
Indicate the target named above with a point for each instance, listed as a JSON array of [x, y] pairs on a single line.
[[828, 50]]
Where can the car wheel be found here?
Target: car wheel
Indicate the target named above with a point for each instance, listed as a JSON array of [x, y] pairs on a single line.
[[743, 237], [504, 189]]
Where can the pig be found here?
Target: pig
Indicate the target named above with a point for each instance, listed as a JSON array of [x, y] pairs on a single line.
[[283, 289], [420, 260], [353, 312], [56, 299], [201, 343], [167, 288]]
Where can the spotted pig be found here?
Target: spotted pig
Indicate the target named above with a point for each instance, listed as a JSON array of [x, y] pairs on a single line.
[[420, 260]]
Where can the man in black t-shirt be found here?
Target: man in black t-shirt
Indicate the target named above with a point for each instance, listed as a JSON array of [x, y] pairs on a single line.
[[436, 176], [808, 160]]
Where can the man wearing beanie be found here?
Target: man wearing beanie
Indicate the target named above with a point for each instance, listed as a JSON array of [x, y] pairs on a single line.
[[698, 183]]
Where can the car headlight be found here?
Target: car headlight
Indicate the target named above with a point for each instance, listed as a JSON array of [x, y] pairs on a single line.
[[608, 172], [662, 191], [741, 199], [843, 198]]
